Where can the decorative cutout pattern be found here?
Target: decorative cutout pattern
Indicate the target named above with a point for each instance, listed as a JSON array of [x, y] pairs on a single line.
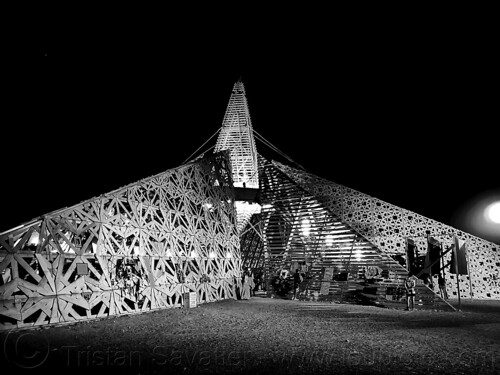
[[138, 248], [298, 231], [388, 226]]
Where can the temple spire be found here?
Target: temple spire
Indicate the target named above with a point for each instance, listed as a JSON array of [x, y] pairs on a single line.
[[236, 135]]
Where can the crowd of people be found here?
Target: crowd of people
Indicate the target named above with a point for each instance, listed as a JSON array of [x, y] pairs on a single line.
[[250, 283], [282, 284], [285, 283]]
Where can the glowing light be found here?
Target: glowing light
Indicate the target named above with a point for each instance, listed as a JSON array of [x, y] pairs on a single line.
[[358, 255], [246, 208], [492, 212], [229, 255], [193, 254], [211, 255], [34, 239], [329, 240], [480, 216], [306, 227], [137, 250]]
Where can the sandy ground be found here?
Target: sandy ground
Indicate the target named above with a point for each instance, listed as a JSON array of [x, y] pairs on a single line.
[[267, 336]]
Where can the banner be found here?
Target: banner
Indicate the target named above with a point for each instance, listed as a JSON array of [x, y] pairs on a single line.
[[432, 256], [411, 256], [460, 252]]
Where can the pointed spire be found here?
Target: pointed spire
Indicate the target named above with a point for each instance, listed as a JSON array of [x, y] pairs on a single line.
[[239, 87], [236, 135]]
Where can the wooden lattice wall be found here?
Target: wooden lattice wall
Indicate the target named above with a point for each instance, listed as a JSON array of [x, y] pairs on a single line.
[[388, 227], [136, 249], [252, 244], [295, 230], [298, 230]]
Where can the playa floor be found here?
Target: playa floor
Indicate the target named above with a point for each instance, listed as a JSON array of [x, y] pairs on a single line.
[[267, 336]]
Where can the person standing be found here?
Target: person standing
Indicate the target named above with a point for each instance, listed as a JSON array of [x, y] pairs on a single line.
[[236, 288], [442, 287], [251, 282], [245, 286], [297, 279], [410, 285]]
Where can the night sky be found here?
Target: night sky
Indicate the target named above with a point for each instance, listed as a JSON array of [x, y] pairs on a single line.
[[405, 118]]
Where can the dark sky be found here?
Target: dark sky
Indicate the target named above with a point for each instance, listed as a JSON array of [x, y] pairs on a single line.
[[409, 119]]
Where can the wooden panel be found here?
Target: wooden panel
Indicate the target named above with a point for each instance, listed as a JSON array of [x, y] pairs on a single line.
[[299, 229], [143, 244], [388, 227]]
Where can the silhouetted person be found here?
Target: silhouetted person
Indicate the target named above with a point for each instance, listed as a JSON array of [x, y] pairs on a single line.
[[251, 282], [245, 286], [297, 279], [410, 285], [442, 287]]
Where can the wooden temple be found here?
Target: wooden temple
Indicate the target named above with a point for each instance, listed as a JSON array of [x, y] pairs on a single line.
[[344, 242], [194, 228]]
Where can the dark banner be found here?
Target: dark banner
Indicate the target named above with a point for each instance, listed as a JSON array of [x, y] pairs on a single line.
[[412, 254], [432, 260]]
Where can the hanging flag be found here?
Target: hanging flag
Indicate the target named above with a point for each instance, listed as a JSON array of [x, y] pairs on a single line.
[[410, 254], [427, 262], [432, 265], [461, 261]]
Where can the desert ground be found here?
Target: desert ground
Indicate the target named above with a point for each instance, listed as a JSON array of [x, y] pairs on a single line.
[[266, 336]]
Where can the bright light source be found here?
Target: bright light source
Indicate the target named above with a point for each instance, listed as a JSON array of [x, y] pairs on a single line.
[[480, 216], [306, 227], [492, 212], [247, 208], [34, 239], [193, 254], [358, 255], [329, 240], [211, 255], [229, 255]]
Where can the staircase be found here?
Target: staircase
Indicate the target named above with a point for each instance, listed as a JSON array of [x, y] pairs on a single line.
[[428, 299]]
